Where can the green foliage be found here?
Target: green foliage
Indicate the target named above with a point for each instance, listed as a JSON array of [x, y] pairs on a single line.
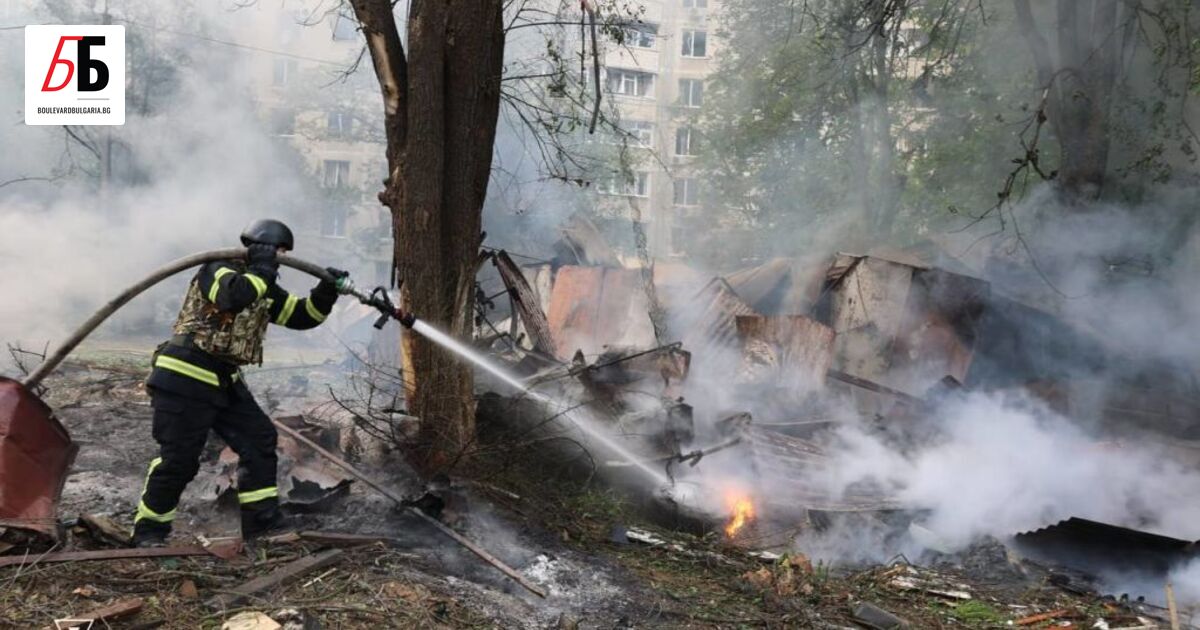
[[892, 124], [976, 614], [828, 115]]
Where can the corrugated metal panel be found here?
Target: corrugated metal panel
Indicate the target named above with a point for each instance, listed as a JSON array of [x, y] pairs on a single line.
[[712, 319], [794, 469], [1102, 548], [780, 286]]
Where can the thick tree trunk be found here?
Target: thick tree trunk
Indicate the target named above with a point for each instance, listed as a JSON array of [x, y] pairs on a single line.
[[439, 157], [1080, 80]]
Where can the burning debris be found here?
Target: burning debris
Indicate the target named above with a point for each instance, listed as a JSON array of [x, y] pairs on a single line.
[[874, 344], [741, 512]]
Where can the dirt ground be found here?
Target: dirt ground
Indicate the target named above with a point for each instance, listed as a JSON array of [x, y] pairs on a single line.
[[563, 533]]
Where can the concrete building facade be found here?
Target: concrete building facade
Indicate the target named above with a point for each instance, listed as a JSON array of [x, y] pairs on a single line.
[[656, 79]]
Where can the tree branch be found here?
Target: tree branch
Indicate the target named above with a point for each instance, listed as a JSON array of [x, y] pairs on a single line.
[[391, 69]]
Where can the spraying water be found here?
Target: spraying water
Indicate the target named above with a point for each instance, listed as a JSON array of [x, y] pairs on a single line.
[[585, 424]]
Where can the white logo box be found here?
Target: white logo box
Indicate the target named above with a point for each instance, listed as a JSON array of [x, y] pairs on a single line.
[[71, 70]]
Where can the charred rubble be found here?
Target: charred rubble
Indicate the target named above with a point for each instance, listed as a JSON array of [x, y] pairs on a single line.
[[880, 340]]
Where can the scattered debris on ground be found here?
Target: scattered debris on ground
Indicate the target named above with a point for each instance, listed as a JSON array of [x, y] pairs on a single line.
[[884, 339]]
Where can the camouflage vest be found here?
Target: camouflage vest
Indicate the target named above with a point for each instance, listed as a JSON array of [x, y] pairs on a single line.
[[236, 338]]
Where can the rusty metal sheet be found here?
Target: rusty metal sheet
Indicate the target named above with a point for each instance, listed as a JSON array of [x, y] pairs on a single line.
[[595, 307], [35, 454], [712, 319], [792, 352], [937, 336], [307, 482], [780, 286], [676, 283], [527, 304]]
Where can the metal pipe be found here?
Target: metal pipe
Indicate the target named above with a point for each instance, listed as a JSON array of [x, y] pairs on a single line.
[[391, 494], [158, 275], [187, 262]]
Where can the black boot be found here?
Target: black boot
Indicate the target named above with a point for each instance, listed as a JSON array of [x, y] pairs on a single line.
[[265, 518], [147, 533]]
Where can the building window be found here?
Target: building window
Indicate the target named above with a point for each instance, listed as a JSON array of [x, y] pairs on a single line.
[[284, 72], [641, 35], [694, 43], [344, 28], [638, 185], [630, 82], [695, 4], [687, 192], [283, 122], [685, 141], [339, 123], [691, 92], [336, 174], [333, 221], [639, 132]]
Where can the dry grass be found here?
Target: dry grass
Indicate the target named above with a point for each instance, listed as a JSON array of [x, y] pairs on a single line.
[[370, 587]]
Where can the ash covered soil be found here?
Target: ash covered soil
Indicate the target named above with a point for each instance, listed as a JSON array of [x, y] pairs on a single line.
[[556, 531]]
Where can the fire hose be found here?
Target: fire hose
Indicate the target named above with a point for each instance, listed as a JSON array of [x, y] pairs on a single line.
[[377, 298]]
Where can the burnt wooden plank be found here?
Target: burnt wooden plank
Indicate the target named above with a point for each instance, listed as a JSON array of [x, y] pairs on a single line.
[[527, 304], [106, 554], [116, 610], [279, 577]]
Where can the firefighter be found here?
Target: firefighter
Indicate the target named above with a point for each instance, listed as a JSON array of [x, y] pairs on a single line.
[[196, 384]]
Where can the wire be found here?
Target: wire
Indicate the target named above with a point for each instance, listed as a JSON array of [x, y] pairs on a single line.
[[514, 254], [213, 40], [231, 44]]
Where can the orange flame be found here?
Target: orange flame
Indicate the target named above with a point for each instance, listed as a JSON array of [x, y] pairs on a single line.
[[741, 509]]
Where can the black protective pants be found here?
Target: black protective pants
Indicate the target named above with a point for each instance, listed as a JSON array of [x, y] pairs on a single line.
[[181, 426]]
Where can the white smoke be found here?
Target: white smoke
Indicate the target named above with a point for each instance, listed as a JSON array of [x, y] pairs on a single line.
[[195, 169], [1007, 464]]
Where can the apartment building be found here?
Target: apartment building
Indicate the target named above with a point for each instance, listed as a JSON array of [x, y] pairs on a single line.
[[332, 120], [656, 79]]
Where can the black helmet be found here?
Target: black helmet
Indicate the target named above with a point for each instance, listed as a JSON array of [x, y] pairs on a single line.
[[269, 232]]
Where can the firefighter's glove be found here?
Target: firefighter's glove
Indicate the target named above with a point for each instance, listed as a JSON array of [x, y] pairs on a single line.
[[261, 261], [332, 289]]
